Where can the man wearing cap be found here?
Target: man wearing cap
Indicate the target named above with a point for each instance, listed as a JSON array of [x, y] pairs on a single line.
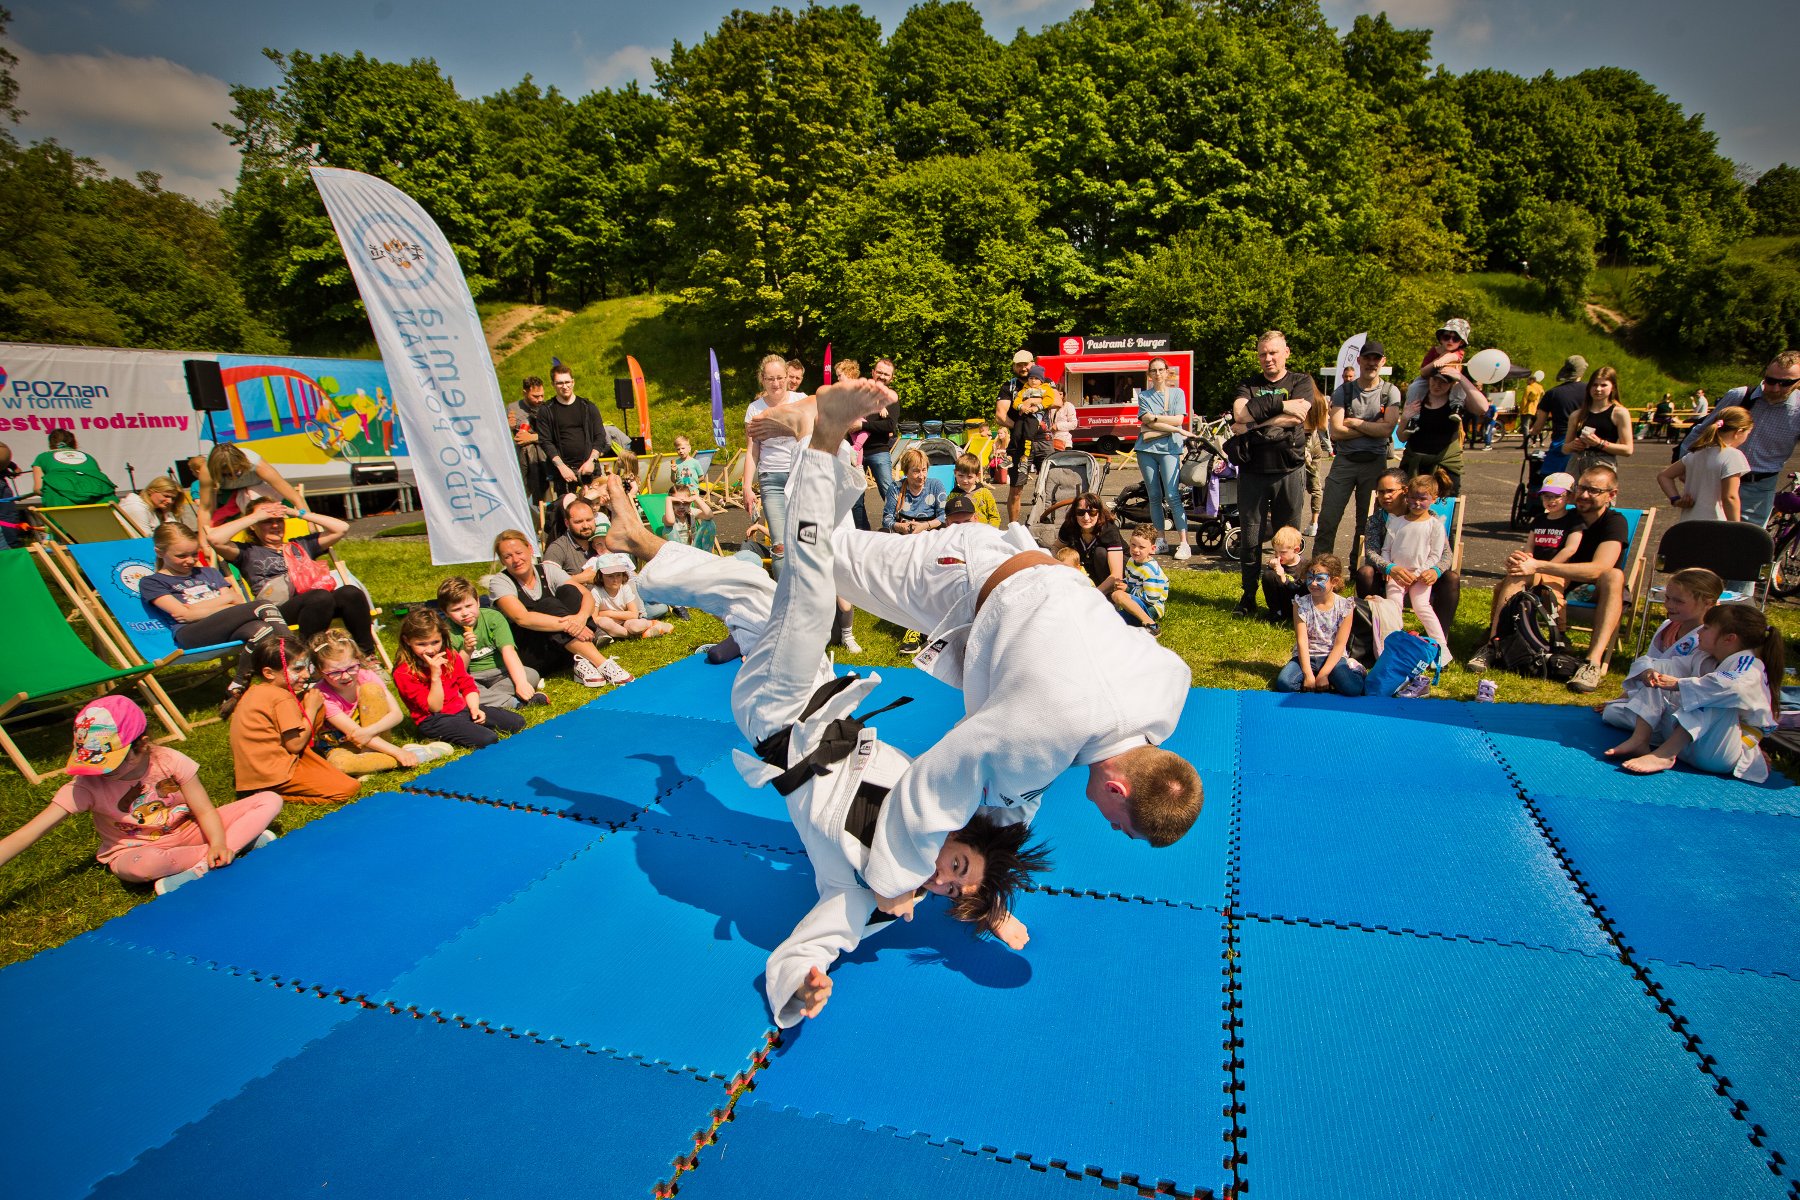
[[155, 821], [1363, 412], [1010, 411], [1559, 404], [1774, 405]]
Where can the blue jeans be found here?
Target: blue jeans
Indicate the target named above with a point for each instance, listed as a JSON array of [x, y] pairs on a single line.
[[1758, 499], [1162, 484], [1345, 680], [774, 508], [881, 465]]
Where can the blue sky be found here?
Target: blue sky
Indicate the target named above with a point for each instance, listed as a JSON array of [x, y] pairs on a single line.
[[137, 84]]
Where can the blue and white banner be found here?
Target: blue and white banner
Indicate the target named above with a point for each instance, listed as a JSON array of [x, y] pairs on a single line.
[[445, 389]]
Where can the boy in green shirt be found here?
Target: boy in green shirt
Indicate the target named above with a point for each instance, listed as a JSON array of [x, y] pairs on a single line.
[[486, 639]]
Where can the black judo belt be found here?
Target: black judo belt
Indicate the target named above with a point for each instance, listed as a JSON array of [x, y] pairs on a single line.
[[837, 743]]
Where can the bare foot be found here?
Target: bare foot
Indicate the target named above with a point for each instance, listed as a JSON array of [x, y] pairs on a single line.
[[842, 406], [1629, 748], [1649, 764], [628, 534]]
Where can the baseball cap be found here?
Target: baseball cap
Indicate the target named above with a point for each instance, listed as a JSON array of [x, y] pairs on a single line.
[[612, 564], [1372, 349], [959, 505], [1556, 483], [1457, 325], [1574, 367], [104, 731], [1024, 356]]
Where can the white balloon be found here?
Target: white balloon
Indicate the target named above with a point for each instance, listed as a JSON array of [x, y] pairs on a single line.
[[1488, 366]]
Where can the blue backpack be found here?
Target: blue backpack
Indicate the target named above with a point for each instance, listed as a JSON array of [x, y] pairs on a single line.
[[1404, 655]]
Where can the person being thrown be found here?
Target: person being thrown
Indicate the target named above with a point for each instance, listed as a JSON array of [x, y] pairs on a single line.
[[835, 773]]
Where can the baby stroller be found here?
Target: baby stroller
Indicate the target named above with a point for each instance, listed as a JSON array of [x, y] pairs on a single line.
[[1525, 506], [1067, 474], [1208, 488], [941, 452]]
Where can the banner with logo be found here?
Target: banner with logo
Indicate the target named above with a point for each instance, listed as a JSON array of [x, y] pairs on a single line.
[[128, 408], [718, 399], [444, 387]]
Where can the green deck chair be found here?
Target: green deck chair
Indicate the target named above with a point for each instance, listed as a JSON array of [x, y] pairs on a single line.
[[57, 664], [69, 523]]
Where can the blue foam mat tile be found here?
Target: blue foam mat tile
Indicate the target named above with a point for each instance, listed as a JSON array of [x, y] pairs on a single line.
[[1089, 856], [682, 688], [1050, 1085], [1563, 756], [1469, 1068], [1265, 704], [763, 1151], [1693, 885], [350, 901], [601, 765], [76, 1105], [1369, 745], [390, 1106], [1749, 1025], [1451, 861], [720, 805], [646, 944]]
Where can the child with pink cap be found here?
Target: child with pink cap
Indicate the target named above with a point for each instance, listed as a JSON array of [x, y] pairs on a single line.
[[155, 820]]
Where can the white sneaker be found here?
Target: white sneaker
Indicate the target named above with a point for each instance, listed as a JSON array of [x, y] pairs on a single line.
[[1162, 547], [169, 883], [588, 674], [614, 673], [1312, 530], [263, 839], [851, 645], [1183, 552]]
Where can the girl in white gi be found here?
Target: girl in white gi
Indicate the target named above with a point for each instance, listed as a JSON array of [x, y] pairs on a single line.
[[1417, 542], [1720, 717], [835, 774], [1674, 654]]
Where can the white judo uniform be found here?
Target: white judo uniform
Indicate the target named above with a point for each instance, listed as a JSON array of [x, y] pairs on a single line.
[[1656, 706], [783, 629], [1726, 712], [1051, 678]]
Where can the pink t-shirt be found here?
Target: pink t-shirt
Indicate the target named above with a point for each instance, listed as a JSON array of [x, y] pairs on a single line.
[[348, 705], [132, 812]]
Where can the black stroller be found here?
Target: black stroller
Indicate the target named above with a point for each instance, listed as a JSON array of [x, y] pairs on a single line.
[[1208, 487], [1525, 506]]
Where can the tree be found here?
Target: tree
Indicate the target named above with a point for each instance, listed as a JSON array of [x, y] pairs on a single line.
[[944, 82], [600, 201], [1559, 241], [9, 86], [522, 138], [1389, 63], [1700, 301], [1775, 200]]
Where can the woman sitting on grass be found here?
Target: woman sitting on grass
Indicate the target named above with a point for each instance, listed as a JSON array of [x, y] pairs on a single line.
[[551, 615]]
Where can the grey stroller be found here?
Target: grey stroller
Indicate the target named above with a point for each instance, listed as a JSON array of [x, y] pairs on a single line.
[[1067, 474]]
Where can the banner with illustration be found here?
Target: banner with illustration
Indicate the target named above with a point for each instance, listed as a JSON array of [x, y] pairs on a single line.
[[444, 386], [310, 416]]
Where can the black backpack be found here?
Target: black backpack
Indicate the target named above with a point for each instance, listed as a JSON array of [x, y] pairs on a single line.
[[1530, 642]]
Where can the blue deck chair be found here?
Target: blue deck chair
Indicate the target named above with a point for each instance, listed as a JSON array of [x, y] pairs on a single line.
[[112, 570], [1639, 522]]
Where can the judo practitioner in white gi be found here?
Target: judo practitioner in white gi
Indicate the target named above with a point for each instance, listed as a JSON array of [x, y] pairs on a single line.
[[835, 774], [1714, 722], [1051, 678], [1673, 653]]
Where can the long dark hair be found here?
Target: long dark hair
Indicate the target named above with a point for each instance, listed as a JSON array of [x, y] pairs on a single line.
[[1070, 529], [1010, 865]]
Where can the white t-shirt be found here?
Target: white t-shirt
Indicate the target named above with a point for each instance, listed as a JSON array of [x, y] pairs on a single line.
[[141, 514], [1706, 470], [774, 456]]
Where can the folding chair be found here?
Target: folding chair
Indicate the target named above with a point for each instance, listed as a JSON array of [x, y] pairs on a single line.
[[71, 523], [655, 507], [51, 662], [717, 481], [1733, 550], [1638, 524], [1450, 511], [654, 471], [342, 573]]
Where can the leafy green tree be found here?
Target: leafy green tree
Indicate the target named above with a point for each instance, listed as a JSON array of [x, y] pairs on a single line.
[[1775, 200], [944, 82], [601, 204], [1388, 63], [772, 119], [522, 136], [1700, 301], [9, 86], [1559, 239]]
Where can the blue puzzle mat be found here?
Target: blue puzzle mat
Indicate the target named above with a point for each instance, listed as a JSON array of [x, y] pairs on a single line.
[[1716, 889], [1470, 1069], [399, 1107], [1750, 1026], [1372, 743], [92, 1105], [350, 902], [1455, 861], [764, 1154], [600, 765], [646, 944], [721, 806], [1051, 1087]]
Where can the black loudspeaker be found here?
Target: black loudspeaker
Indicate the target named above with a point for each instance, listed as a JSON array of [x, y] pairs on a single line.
[[206, 386], [376, 472], [624, 394]]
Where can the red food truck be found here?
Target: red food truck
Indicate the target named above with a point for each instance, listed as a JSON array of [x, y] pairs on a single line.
[[1101, 376]]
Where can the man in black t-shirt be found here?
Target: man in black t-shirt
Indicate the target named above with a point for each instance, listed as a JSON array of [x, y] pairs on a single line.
[[1592, 553], [572, 432], [1272, 406], [1557, 406]]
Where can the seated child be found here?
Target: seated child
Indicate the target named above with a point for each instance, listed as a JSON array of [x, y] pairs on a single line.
[[685, 470], [968, 483], [440, 697], [689, 519], [618, 612], [1068, 556], [1281, 582], [1716, 721], [1322, 623], [201, 606], [1146, 592], [274, 724], [1674, 650], [359, 708], [156, 822], [488, 643]]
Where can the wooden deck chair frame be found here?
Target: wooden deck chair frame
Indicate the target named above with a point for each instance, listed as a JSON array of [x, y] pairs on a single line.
[[717, 481], [348, 578], [1635, 559], [105, 522], [140, 675]]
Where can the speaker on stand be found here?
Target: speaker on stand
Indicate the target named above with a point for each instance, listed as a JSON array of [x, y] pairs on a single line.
[[206, 391]]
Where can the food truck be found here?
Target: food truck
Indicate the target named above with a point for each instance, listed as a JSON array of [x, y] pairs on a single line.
[[1101, 376]]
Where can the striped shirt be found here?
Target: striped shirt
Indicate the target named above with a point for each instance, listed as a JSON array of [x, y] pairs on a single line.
[[1146, 583]]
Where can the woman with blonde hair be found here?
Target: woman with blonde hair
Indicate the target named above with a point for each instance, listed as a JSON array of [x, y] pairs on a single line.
[[156, 503]]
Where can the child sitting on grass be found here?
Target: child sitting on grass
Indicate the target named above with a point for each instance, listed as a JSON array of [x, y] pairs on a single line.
[[440, 697], [156, 822], [1322, 621], [1281, 582], [486, 639], [274, 724], [618, 612], [1146, 592], [1674, 650], [359, 708]]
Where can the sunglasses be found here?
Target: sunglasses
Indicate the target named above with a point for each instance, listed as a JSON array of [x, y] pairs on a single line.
[[1591, 491], [1780, 381], [1087, 512]]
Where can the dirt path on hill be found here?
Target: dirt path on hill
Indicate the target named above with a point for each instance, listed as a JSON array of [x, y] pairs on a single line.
[[504, 326]]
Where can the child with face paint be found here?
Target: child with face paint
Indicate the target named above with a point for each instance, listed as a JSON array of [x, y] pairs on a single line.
[[275, 723], [1322, 620]]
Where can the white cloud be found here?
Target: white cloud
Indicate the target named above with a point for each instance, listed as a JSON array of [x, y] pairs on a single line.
[[619, 68], [1404, 14], [131, 114]]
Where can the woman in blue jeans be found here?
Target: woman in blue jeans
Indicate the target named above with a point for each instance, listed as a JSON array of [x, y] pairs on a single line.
[[1162, 410], [882, 428]]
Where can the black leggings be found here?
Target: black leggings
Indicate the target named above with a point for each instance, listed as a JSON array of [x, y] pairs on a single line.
[[313, 612], [547, 653], [239, 623]]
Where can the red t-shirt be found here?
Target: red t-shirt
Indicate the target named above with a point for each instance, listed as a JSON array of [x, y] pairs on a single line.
[[415, 688]]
